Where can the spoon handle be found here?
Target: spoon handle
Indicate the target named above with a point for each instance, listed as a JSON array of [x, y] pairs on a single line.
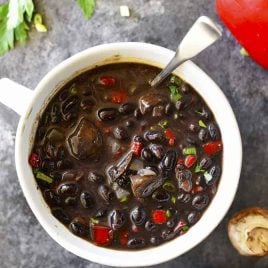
[[172, 65]]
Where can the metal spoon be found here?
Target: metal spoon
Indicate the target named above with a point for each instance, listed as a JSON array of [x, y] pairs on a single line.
[[202, 34]]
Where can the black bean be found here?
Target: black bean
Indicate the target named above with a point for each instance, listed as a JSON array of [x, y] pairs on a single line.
[[157, 150], [214, 131], [146, 154], [204, 113], [138, 215], [169, 109], [106, 193], [185, 88], [200, 201], [51, 197], [78, 228], [215, 173], [137, 113], [150, 226], [124, 180], [60, 215], [69, 104], [205, 162], [68, 189], [168, 163], [102, 212], [155, 240], [180, 105], [160, 195], [70, 201], [87, 104], [117, 219], [136, 243], [95, 177], [138, 138], [171, 223], [48, 165], [184, 197], [203, 134], [126, 108], [87, 200], [107, 114], [167, 234], [185, 180], [120, 133], [193, 127], [154, 136], [193, 217]]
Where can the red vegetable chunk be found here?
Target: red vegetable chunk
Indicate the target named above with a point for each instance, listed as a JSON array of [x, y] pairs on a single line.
[[119, 96], [212, 147], [136, 148], [34, 160], [190, 160], [159, 216], [107, 81], [101, 235], [248, 22]]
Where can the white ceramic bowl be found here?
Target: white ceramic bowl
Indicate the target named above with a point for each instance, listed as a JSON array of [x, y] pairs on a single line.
[[31, 103]]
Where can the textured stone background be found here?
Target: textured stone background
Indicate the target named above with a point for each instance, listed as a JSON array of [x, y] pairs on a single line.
[[23, 243]]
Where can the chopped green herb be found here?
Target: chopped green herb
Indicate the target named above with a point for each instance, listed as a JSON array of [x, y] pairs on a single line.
[[198, 169], [163, 124], [243, 52], [73, 90], [173, 199], [208, 177], [175, 80], [174, 93], [185, 228], [94, 221], [169, 187], [168, 213], [123, 199], [189, 150], [41, 176], [87, 6], [202, 124]]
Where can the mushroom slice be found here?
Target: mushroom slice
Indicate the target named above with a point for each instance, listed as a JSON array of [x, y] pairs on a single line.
[[116, 171], [143, 186], [248, 231]]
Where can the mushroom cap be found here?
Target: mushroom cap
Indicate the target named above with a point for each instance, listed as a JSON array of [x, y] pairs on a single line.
[[248, 231]]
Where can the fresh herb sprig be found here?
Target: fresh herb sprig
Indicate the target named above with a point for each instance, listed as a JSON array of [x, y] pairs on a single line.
[[88, 7]]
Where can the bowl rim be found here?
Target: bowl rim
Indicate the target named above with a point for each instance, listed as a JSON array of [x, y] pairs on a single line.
[[150, 256]]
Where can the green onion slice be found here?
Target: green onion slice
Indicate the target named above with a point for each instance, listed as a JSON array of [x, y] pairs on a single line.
[[202, 124], [189, 150], [41, 176], [169, 187]]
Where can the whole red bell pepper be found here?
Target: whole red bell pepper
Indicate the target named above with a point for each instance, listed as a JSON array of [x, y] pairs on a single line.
[[248, 22]]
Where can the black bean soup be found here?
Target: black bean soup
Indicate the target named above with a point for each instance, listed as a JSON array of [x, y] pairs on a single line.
[[124, 165]]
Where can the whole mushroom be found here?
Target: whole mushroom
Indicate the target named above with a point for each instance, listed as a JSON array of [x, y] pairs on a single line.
[[248, 231]]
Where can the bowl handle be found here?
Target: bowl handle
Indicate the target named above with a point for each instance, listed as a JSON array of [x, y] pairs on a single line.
[[14, 96]]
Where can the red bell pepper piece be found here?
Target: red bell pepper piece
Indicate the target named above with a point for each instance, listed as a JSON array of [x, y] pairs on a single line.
[[212, 147], [34, 160], [136, 148], [119, 96], [107, 81], [189, 160], [170, 136], [159, 216], [248, 22], [101, 235]]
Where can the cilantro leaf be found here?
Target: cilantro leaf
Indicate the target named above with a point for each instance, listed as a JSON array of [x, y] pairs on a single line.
[[174, 93], [87, 6]]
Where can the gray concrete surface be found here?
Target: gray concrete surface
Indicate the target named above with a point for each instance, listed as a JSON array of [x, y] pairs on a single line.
[[23, 242]]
